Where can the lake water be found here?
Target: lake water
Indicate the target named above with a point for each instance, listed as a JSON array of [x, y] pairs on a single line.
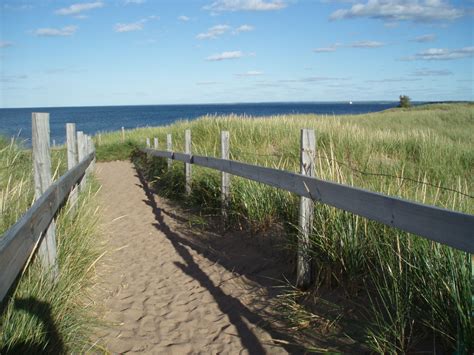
[[17, 121]]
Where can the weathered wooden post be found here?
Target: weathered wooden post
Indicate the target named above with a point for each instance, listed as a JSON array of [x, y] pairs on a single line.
[[148, 145], [42, 175], [155, 143], [225, 177], [307, 159], [99, 140], [81, 154], [169, 148], [87, 151], [93, 151], [90, 150], [187, 166], [71, 156], [123, 134], [472, 291]]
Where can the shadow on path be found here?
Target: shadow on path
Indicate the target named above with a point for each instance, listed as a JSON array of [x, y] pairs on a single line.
[[228, 305]]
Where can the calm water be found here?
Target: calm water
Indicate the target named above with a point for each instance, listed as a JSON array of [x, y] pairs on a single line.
[[17, 122]]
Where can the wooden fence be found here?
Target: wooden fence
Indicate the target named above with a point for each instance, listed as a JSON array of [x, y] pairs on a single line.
[[36, 229], [444, 226]]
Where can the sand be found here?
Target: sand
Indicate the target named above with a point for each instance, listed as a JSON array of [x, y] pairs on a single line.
[[168, 288]]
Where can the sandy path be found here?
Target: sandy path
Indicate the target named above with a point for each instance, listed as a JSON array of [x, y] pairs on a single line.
[[161, 293]]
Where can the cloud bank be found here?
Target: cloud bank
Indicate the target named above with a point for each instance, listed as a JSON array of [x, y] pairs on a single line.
[[400, 10], [244, 5], [76, 9], [56, 32]]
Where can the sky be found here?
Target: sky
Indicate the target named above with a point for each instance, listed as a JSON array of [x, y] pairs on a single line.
[[134, 52]]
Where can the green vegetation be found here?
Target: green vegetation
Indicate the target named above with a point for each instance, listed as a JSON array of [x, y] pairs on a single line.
[[39, 317], [410, 291], [405, 101]]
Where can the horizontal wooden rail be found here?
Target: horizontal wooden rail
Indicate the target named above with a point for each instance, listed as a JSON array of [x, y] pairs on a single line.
[[440, 225], [17, 244]]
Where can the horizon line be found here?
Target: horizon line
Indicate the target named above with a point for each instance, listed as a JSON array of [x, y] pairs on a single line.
[[243, 103]]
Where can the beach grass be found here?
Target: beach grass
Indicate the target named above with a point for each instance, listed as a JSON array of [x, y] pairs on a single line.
[[412, 293], [39, 316]]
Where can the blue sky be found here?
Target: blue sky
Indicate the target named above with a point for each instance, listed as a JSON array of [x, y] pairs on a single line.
[[121, 52]]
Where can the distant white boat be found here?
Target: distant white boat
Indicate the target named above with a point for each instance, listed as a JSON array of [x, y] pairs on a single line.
[[350, 102]]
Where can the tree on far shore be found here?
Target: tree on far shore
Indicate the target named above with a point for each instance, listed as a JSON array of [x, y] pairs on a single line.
[[405, 101]]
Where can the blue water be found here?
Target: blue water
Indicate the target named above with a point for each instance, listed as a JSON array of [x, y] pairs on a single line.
[[17, 121]]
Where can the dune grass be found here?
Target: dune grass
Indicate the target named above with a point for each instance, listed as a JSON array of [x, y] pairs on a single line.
[[413, 293], [39, 316]]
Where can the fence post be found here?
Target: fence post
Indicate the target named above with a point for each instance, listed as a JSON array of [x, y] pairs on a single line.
[[93, 151], [123, 134], [71, 156], [90, 149], [307, 159], [99, 140], [187, 166], [225, 177], [42, 174], [81, 154], [169, 148], [472, 291], [86, 152], [148, 143], [155, 143]]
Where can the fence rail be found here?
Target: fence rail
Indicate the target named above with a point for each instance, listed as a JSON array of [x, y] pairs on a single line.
[[32, 230], [437, 224]]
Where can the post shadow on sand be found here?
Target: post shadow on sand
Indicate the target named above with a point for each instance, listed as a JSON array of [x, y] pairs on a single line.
[[42, 311], [228, 305]]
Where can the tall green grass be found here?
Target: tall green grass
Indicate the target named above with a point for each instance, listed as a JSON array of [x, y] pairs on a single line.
[[39, 316], [413, 292]]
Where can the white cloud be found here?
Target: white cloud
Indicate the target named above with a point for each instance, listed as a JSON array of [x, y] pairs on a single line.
[[134, 26], [219, 30], [325, 49], [251, 73], [135, 2], [401, 10], [432, 72], [183, 18], [225, 56], [12, 78], [17, 7], [425, 38], [214, 32], [367, 44], [243, 28], [75, 9], [55, 32], [245, 5], [5, 44], [358, 44], [442, 54], [392, 80], [207, 83], [129, 27], [313, 79]]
